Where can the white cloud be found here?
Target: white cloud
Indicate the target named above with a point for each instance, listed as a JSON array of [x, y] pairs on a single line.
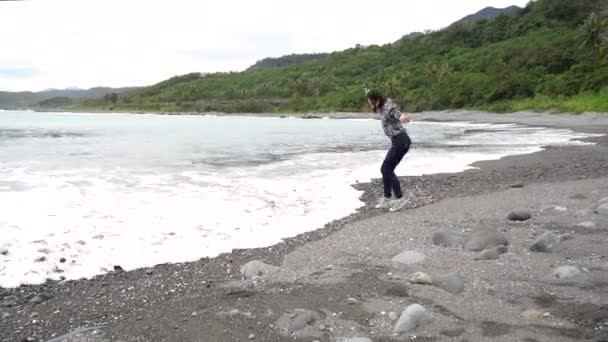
[[86, 43]]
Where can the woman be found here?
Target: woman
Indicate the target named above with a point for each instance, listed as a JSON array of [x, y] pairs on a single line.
[[392, 124]]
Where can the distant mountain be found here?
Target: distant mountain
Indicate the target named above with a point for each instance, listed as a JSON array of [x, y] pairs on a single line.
[[489, 13], [28, 99], [288, 60]]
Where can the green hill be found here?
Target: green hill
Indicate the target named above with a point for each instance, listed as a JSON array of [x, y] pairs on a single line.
[[540, 57], [489, 13], [52, 97]]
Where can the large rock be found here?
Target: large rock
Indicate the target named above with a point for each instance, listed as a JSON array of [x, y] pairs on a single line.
[[566, 272], [519, 215], [481, 240], [300, 319], [445, 238], [452, 283], [409, 258], [413, 317], [546, 243], [256, 268]]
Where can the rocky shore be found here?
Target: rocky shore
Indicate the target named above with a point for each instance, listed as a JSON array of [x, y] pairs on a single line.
[[516, 250]]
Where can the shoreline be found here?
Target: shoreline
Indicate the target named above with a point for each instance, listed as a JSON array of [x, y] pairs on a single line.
[[218, 275]]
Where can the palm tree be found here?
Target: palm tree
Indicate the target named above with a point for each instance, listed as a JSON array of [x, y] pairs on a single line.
[[593, 35]]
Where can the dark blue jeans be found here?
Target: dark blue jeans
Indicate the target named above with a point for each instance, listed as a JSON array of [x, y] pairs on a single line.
[[400, 144]]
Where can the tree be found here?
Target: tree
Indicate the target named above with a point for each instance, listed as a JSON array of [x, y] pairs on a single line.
[[593, 35]]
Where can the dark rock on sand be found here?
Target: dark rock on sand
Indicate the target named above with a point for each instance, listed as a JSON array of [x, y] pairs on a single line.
[[3, 251], [452, 283], [413, 317], [519, 215], [409, 258], [578, 196], [40, 259], [62, 260], [481, 240], [8, 303], [256, 268], [546, 243], [517, 185], [118, 268], [445, 238]]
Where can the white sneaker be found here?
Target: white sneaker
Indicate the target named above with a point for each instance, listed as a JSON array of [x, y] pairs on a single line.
[[384, 203], [398, 204]]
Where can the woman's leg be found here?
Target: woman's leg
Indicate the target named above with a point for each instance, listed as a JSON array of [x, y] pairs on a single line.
[[401, 146], [388, 171]]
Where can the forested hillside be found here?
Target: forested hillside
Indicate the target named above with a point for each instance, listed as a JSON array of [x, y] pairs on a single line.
[[551, 54]]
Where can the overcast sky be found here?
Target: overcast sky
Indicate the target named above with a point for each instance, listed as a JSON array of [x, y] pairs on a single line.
[[85, 43]]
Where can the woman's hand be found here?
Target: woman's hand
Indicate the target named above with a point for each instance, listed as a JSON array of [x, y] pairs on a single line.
[[405, 118]]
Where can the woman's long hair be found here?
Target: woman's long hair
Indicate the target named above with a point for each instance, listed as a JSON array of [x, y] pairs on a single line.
[[377, 99]]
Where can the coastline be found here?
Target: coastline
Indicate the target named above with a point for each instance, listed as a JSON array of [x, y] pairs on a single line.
[[213, 286]]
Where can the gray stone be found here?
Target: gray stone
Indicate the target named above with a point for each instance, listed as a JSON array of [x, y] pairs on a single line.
[[256, 268], [517, 186], [3, 251], [444, 238], [502, 250], [519, 215], [481, 240], [393, 315], [452, 283], [358, 339], [603, 200], [303, 318], [6, 315], [488, 254], [578, 196], [40, 259], [409, 258], [602, 209], [546, 243], [352, 301], [413, 317], [566, 272], [252, 336], [587, 224], [421, 278], [39, 298]]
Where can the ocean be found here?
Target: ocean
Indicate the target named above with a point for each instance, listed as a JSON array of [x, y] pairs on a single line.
[[81, 192]]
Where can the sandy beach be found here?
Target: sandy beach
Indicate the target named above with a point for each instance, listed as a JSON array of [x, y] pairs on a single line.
[[464, 259]]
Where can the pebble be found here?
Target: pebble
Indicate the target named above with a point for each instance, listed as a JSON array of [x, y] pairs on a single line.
[[39, 298], [251, 336], [3, 251], [602, 209], [532, 314], [546, 243], [393, 315], [451, 282], [62, 260], [566, 272], [517, 186], [303, 318], [578, 196], [587, 224], [445, 238], [256, 268], [118, 268], [481, 240], [40, 259], [409, 258], [488, 254], [358, 339], [352, 301], [5, 315], [519, 215], [421, 278], [412, 317]]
